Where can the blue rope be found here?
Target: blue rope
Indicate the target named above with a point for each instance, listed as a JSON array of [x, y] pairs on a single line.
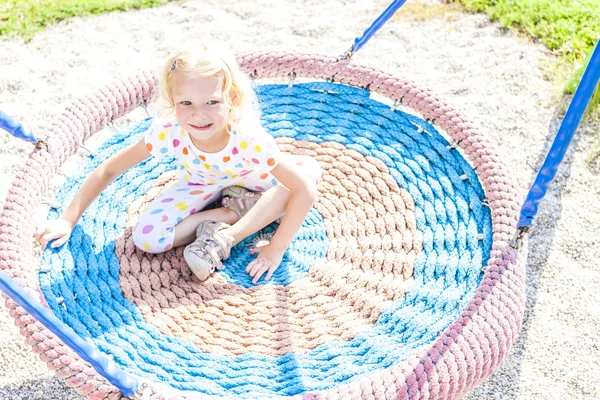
[[101, 363], [16, 129], [565, 134], [448, 211], [376, 25]]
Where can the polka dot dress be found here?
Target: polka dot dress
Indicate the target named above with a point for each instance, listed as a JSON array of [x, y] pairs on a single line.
[[246, 161]]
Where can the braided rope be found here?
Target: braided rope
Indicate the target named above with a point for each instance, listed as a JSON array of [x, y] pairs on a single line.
[[357, 174]]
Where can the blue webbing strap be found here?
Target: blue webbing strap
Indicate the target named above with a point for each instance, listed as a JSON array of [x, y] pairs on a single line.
[[101, 363], [546, 174], [16, 129], [375, 26]]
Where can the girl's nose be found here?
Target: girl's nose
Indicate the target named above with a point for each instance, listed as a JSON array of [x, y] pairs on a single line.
[[198, 112]]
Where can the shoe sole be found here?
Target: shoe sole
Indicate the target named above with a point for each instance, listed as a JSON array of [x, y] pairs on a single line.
[[205, 266]]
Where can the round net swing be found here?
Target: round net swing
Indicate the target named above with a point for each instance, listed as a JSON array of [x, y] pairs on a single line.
[[400, 283]]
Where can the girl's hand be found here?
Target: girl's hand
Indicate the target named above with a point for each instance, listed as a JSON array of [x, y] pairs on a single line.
[[267, 261], [59, 229]]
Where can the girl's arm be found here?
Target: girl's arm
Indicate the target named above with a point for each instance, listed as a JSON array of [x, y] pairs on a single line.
[[98, 180], [303, 192]]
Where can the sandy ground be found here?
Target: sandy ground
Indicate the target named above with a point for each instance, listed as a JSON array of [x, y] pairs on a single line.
[[492, 75]]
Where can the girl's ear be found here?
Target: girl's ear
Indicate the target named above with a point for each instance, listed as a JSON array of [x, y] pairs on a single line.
[[234, 120], [234, 116]]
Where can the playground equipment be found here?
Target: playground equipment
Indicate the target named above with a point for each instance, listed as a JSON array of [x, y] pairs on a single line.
[[406, 280]]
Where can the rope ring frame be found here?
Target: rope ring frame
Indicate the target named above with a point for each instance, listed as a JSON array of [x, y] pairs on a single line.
[[449, 367]]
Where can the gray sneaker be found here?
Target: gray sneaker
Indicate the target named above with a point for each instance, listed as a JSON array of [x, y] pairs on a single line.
[[239, 199], [204, 254]]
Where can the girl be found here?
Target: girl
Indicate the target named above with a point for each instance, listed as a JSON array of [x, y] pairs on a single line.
[[209, 126]]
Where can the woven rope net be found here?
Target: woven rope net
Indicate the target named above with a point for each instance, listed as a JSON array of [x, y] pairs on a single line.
[[400, 283]]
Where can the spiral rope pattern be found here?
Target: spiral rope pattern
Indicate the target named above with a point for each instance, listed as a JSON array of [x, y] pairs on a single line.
[[399, 284]]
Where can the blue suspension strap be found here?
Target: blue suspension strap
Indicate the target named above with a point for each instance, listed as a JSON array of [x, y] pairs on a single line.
[[375, 26], [565, 134], [16, 129], [127, 384]]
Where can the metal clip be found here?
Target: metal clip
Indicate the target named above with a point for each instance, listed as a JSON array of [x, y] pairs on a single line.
[[87, 149], [45, 268], [111, 125], [517, 239], [253, 77], [452, 146], [480, 236], [418, 127], [60, 300], [52, 204], [485, 203], [347, 55], [41, 145], [292, 76], [146, 108], [395, 105], [463, 177], [140, 392]]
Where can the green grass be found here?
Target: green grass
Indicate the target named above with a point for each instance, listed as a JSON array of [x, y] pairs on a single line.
[[25, 18], [594, 105], [570, 28]]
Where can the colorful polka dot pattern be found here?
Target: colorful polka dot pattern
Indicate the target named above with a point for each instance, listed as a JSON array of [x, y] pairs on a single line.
[[247, 154], [212, 171], [154, 230]]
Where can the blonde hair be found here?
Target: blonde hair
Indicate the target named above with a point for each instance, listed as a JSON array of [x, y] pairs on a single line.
[[204, 61]]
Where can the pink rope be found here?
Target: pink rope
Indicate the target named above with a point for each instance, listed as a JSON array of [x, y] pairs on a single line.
[[466, 353]]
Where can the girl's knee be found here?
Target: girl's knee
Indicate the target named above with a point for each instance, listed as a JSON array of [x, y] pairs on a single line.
[[310, 165], [313, 169], [145, 240]]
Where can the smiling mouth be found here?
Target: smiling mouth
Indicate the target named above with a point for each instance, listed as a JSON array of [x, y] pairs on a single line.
[[201, 127]]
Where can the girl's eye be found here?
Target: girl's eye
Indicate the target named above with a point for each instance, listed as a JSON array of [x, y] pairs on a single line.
[[186, 103], [212, 102]]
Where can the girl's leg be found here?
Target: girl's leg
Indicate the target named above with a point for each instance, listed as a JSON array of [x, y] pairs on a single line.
[[171, 219], [271, 205], [214, 240], [185, 231], [268, 208]]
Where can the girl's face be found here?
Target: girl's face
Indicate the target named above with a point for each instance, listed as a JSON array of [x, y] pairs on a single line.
[[200, 109]]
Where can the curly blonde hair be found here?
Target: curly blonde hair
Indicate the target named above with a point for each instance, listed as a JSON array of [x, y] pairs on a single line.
[[203, 61]]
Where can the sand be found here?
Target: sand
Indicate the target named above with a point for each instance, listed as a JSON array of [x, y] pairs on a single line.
[[494, 76]]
